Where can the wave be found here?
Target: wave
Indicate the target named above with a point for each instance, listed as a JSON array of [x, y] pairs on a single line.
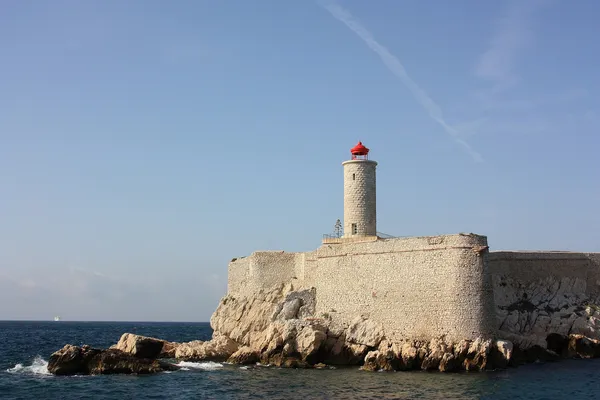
[[38, 366], [205, 366]]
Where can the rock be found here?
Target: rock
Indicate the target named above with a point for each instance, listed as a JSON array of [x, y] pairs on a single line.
[[580, 326], [450, 363], [439, 355], [582, 347], [140, 346], [244, 320], [535, 353], [220, 348], [280, 360], [477, 354], [387, 359], [364, 331], [557, 343], [372, 361], [71, 360], [74, 360], [290, 309], [309, 339], [279, 327], [168, 350], [336, 351], [500, 354], [550, 305], [410, 356], [116, 362], [244, 356], [436, 351]]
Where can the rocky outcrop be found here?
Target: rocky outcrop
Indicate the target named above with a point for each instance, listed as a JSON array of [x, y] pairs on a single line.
[[467, 355], [552, 305], [75, 360], [280, 327], [543, 315]]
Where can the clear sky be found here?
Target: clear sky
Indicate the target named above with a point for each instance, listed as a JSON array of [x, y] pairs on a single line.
[[145, 143]]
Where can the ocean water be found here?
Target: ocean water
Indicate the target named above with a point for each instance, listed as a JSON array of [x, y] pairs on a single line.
[[26, 346]]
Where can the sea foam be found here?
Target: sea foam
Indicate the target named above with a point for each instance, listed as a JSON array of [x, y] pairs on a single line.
[[206, 366], [38, 366]]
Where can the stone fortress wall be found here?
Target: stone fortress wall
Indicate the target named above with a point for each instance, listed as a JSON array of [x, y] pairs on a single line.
[[425, 287], [417, 287]]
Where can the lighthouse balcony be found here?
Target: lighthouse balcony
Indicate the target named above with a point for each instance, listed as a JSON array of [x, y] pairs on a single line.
[[335, 239]]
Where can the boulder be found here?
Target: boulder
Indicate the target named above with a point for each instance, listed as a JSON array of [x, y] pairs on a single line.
[[580, 346], [381, 360], [535, 353], [364, 331], [71, 360], [140, 346], [500, 354], [436, 352], [117, 362], [283, 361], [289, 309], [75, 360], [168, 350], [477, 354], [308, 339], [450, 363], [244, 356], [220, 348], [410, 356]]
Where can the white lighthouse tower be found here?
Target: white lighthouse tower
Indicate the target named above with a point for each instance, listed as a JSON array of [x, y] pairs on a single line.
[[360, 201]]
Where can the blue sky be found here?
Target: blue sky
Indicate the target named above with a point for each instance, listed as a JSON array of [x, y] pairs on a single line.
[[144, 144]]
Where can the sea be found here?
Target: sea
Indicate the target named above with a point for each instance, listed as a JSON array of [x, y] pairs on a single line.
[[25, 347]]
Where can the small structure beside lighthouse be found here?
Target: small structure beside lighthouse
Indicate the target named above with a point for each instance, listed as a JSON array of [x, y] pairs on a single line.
[[360, 199]]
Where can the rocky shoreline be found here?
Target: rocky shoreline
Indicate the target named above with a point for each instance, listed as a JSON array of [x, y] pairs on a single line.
[[280, 328]]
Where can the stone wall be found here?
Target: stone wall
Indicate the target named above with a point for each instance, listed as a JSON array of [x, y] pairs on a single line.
[[415, 287], [238, 274], [424, 287], [262, 270], [538, 293]]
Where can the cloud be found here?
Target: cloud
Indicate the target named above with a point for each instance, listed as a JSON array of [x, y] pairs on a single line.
[[502, 107], [396, 67], [512, 35]]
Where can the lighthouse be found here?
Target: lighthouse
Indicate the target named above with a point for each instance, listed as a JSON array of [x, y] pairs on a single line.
[[360, 201]]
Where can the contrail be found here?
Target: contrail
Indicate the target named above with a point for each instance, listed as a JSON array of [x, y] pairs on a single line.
[[396, 67]]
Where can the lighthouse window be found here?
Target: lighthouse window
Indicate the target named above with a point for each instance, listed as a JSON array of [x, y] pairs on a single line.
[[354, 229], [353, 177]]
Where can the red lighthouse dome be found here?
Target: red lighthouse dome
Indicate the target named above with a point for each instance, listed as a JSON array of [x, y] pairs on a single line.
[[359, 152]]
